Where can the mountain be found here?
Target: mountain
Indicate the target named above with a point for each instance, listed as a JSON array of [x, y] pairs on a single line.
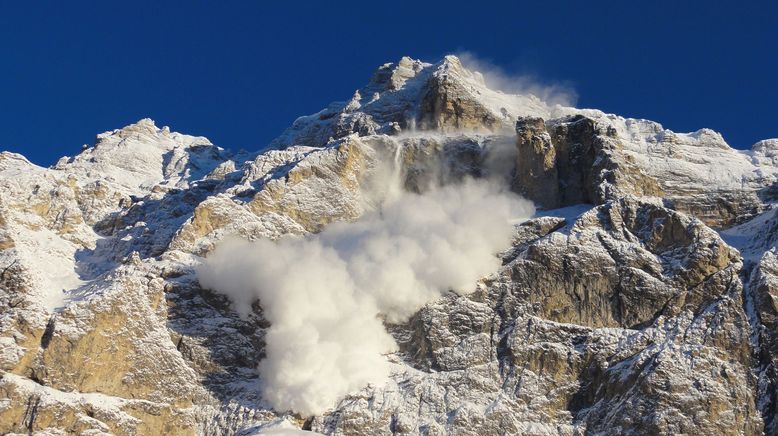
[[641, 297]]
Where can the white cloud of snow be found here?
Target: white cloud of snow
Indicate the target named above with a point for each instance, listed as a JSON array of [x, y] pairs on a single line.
[[496, 78], [326, 295]]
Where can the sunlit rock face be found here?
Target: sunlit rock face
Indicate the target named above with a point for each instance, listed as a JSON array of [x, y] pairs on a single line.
[[640, 299]]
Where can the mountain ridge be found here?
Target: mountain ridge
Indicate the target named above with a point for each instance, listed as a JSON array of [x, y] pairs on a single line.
[[628, 313]]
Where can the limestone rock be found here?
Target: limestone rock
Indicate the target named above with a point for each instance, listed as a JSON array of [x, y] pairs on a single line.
[[763, 301], [503, 360]]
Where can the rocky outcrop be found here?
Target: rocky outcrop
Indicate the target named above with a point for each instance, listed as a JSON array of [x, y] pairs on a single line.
[[629, 319], [574, 161], [763, 301], [448, 105], [579, 159], [97, 366], [536, 175], [36, 409]]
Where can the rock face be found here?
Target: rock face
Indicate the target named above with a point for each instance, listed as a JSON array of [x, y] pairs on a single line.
[[618, 309], [763, 300], [583, 159], [624, 320]]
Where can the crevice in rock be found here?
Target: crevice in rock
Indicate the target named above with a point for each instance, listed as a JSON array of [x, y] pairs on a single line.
[[31, 412], [765, 374], [48, 333]]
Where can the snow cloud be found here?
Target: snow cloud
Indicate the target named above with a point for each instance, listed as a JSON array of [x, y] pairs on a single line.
[[496, 78], [327, 296]]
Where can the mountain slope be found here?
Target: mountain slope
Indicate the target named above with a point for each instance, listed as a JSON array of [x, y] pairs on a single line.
[[617, 308]]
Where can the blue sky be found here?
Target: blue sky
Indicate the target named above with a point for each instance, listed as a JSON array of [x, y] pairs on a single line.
[[240, 72]]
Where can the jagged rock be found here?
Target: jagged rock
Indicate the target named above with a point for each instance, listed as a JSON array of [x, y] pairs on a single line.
[[36, 409], [574, 161], [537, 176], [763, 295], [448, 105], [410, 95], [499, 361]]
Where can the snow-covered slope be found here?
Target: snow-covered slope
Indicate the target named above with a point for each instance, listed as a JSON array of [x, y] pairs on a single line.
[[141, 156], [617, 309]]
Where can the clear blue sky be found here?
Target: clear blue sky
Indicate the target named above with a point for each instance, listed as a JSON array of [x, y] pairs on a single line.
[[240, 72]]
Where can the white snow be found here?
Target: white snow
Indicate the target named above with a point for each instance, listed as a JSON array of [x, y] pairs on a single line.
[[51, 262]]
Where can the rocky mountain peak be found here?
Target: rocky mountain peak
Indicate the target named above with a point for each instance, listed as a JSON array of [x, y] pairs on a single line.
[[766, 146], [638, 298], [10, 160], [392, 76], [144, 128], [411, 95], [141, 155], [451, 68]]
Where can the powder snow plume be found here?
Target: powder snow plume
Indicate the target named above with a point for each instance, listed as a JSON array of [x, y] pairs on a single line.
[[561, 93], [325, 295]]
